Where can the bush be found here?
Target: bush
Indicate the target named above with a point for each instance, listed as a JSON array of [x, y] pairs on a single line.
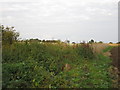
[[25, 74], [85, 51], [29, 65]]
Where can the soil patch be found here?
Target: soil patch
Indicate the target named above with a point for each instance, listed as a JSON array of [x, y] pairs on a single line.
[[115, 55]]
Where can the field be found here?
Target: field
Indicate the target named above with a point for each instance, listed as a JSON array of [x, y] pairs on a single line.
[[47, 65]]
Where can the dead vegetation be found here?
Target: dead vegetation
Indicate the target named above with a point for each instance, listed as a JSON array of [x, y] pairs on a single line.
[[98, 47], [66, 67]]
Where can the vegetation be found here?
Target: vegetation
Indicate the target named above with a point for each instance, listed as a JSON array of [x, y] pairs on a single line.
[[40, 65], [44, 65], [9, 36], [108, 49], [91, 41], [100, 42]]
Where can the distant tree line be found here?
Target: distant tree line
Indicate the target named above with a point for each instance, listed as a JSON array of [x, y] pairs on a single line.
[[44, 41], [9, 36]]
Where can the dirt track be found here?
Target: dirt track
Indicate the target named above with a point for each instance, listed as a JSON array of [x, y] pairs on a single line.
[[115, 57]]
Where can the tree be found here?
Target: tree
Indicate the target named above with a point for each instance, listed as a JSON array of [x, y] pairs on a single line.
[[110, 42], [67, 41], [43, 40], [9, 35], [91, 41], [118, 42], [73, 42], [100, 42]]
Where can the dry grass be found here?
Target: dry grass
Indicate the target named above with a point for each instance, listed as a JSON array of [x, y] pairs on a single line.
[[98, 47], [107, 54], [114, 44]]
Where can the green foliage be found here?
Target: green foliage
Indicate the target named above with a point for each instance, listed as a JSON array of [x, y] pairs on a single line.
[[86, 74], [9, 35], [25, 74], [108, 49], [39, 65], [85, 51], [100, 42]]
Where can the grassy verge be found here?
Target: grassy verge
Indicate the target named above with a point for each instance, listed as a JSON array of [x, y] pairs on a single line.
[[108, 49]]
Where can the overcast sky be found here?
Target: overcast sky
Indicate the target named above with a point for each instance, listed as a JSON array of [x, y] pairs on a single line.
[[75, 20]]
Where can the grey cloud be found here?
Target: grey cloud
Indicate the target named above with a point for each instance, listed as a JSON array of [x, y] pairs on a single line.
[[73, 19]]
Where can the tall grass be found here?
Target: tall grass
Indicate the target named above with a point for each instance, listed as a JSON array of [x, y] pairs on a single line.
[[85, 51], [99, 47]]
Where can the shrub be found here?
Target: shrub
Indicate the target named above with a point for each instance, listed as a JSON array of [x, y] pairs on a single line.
[[24, 74], [85, 51]]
